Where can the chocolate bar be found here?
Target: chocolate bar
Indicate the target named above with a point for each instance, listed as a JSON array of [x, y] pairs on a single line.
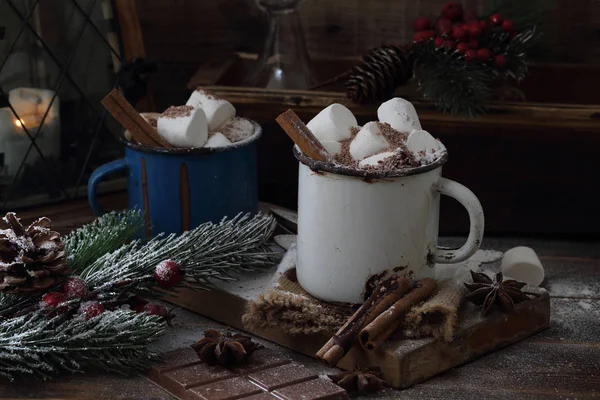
[[268, 375]]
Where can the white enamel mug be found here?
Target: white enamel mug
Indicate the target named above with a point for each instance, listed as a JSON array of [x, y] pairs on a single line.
[[355, 224]]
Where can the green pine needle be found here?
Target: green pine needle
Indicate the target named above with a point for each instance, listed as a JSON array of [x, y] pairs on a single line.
[[36, 346], [104, 235], [450, 82]]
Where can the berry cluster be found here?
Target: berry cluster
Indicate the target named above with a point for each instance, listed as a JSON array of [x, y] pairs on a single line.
[[464, 32], [167, 274]]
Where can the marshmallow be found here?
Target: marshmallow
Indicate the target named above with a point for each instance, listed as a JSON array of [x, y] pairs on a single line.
[[237, 129], [522, 264], [332, 148], [333, 124], [400, 114], [374, 160], [368, 141], [420, 143], [218, 111], [183, 126], [217, 140]]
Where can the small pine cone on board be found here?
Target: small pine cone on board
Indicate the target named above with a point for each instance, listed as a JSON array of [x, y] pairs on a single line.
[[31, 259], [378, 75]]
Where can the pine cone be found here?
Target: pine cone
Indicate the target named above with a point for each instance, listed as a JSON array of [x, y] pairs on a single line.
[[378, 75], [31, 258], [228, 350]]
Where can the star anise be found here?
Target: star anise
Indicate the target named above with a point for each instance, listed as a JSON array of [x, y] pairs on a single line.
[[360, 381], [495, 294], [226, 349]]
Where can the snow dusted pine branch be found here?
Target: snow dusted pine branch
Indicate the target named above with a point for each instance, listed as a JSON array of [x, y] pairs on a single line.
[[210, 251], [36, 346], [106, 234]]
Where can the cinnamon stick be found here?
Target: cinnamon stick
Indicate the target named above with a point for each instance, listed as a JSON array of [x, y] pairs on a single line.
[[127, 116], [302, 136], [381, 328], [385, 294]]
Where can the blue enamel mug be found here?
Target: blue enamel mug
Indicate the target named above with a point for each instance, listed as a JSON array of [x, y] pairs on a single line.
[[178, 189]]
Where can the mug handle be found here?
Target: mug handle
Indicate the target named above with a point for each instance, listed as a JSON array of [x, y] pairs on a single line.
[[98, 175], [477, 223]]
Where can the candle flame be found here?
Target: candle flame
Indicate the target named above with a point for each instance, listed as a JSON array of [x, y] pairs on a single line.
[[18, 123]]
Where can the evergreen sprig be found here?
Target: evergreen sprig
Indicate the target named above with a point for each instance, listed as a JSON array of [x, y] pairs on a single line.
[[463, 87], [34, 345], [210, 251], [104, 235], [450, 82]]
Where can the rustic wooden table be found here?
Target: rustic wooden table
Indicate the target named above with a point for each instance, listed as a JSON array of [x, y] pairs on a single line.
[[562, 362]]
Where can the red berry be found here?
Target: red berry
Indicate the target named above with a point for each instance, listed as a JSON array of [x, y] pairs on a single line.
[[473, 44], [421, 24], [500, 60], [462, 47], [444, 26], [449, 44], [160, 311], [496, 19], [466, 27], [91, 309], [484, 54], [452, 10], [470, 55], [439, 42], [483, 24], [53, 299], [168, 273], [458, 32], [474, 29], [75, 288], [508, 25]]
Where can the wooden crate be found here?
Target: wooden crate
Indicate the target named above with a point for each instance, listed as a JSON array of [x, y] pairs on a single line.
[[532, 164]]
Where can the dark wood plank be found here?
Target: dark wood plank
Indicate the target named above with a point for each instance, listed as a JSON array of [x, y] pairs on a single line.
[[527, 370], [174, 27], [88, 386], [72, 214]]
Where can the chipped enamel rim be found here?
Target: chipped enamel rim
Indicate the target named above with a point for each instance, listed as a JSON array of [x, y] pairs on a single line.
[[369, 174], [192, 151]]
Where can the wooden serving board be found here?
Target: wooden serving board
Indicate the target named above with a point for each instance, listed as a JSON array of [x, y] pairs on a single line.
[[403, 362]]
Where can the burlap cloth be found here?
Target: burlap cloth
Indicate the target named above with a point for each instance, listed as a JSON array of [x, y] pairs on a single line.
[[290, 309]]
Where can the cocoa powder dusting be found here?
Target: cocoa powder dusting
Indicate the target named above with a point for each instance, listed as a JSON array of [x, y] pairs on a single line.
[[394, 137], [344, 157], [177, 112], [208, 93], [402, 159]]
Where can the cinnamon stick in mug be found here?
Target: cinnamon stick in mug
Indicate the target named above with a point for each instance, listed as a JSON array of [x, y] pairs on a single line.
[[381, 328], [302, 136]]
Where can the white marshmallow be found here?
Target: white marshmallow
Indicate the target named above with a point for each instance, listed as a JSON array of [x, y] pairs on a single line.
[[374, 160], [368, 141], [522, 264], [333, 123], [218, 111], [332, 148], [420, 143], [217, 140], [183, 126], [400, 114]]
